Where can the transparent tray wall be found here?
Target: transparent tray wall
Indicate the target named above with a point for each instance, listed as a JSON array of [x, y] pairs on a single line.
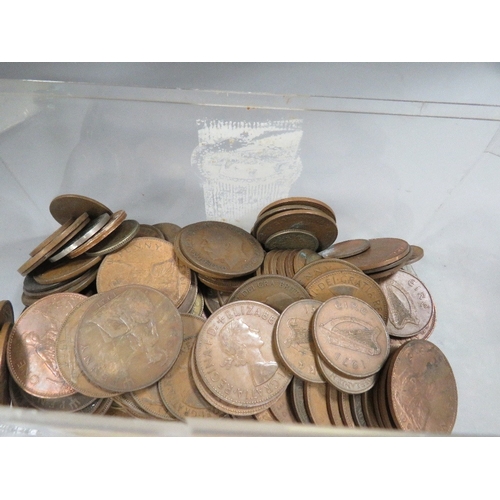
[[424, 172]]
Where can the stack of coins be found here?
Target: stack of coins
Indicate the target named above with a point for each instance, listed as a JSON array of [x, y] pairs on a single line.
[[281, 324]]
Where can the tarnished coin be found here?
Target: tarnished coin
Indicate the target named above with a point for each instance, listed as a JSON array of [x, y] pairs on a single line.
[[5, 329], [146, 261], [235, 358], [68, 206], [190, 299], [294, 341], [177, 388], [168, 229], [292, 239], [314, 269], [417, 253], [381, 394], [410, 304], [31, 350], [357, 410], [65, 270], [369, 410], [53, 236], [422, 389], [298, 401], [111, 225], [351, 336], [149, 231], [351, 283], [6, 312], [125, 232], [316, 405], [299, 200], [275, 291], [128, 338], [220, 249], [344, 249], [149, 400], [303, 258]]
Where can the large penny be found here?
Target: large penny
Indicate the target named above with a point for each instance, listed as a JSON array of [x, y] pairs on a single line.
[[128, 338], [275, 291], [146, 261], [65, 270], [68, 206], [149, 400], [422, 389], [220, 249], [351, 336], [235, 358], [294, 341], [31, 350]]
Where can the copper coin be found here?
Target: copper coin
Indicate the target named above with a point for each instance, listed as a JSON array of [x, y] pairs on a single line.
[[351, 336], [265, 416], [314, 269], [344, 249], [112, 224], [332, 400], [298, 401], [345, 410], [369, 410], [66, 354], [417, 253], [177, 388], [56, 234], [282, 410], [351, 283], [5, 330], [149, 400], [65, 270], [168, 229], [222, 285], [190, 298], [128, 338], [382, 395], [146, 261], [410, 304], [68, 206], [305, 257], [131, 408], [275, 291], [315, 222], [6, 312], [31, 350], [235, 357], [300, 200], [222, 250], [424, 334], [292, 239], [149, 231], [72, 403], [422, 389], [118, 238], [294, 341], [17, 396], [316, 405], [382, 252]]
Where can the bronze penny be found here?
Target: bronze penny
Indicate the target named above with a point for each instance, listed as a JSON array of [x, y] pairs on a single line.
[[345, 409], [222, 250], [344, 249], [168, 229], [294, 342], [211, 298], [314, 269], [235, 357], [422, 389], [112, 224], [149, 400], [130, 407], [351, 336], [298, 402], [369, 410], [410, 304], [417, 253], [5, 329], [68, 206], [65, 270], [149, 231], [300, 200], [190, 299], [128, 338], [177, 388], [290, 239], [312, 221], [31, 350], [350, 283], [303, 258], [282, 410], [333, 407], [72, 403], [382, 252], [275, 291], [60, 230], [146, 261], [6, 312], [424, 334], [66, 354], [125, 232], [98, 407], [382, 395], [222, 285], [316, 406]]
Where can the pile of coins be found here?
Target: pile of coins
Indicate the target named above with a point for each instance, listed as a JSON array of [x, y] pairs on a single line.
[[280, 324]]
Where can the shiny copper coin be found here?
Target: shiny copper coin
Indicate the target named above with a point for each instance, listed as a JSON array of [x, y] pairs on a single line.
[[5, 329], [146, 261], [422, 389], [275, 291], [65, 270], [332, 400], [235, 357], [294, 341], [292, 239], [177, 388], [128, 338], [351, 283], [344, 249], [6, 312], [300, 200], [118, 238], [168, 229], [112, 224], [149, 400], [314, 269], [68, 206], [149, 231], [351, 336], [220, 249], [316, 406], [382, 252], [298, 402], [410, 304], [31, 350], [66, 354], [312, 221]]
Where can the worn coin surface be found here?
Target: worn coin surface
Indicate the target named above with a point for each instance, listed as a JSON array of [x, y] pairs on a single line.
[[314, 269], [128, 338], [292, 239], [68, 206], [31, 350], [146, 261], [294, 341], [351, 336], [422, 389], [235, 357], [117, 239], [64, 270]]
